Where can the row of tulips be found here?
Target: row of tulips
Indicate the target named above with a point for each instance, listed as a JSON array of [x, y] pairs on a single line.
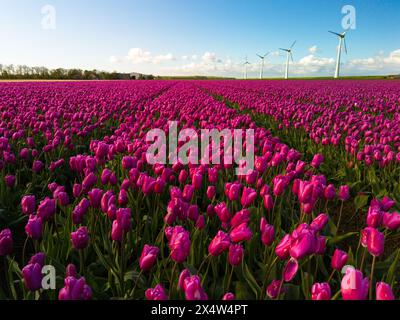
[[354, 124], [114, 226]]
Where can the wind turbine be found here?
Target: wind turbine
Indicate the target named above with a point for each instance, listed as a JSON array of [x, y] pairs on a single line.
[[262, 63], [342, 41], [245, 68], [288, 54]]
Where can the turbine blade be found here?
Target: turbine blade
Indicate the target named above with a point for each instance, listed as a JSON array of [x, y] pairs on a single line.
[[345, 46], [291, 56], [284, 49], [293, 44], [335, 33]]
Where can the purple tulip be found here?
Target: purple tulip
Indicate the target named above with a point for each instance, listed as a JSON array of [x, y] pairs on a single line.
[[28, 204], [75, 289], [6, 242], [80, 238], [34, 227]]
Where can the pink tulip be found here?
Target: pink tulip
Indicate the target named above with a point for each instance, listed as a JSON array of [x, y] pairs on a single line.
[[193, 289], [321, 291], [391, 220], [235, 255], [179, 244], [248, 197], [283, 247], [219, 244], [156, 294], [148, 257], [319, 222], [344, 193], [267, 232], [228, 296], [375, 242], [273, 289], [181, 281], [290, 270], [339, 260], [354, 286], [241, 233], [384, 291]]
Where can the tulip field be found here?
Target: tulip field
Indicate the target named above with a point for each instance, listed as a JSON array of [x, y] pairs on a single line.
[[84, 215]]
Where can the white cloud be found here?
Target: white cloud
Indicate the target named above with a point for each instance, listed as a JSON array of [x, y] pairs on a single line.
[[114, 59], [210, 58], [138, 56], [378, 63], [313, 49]]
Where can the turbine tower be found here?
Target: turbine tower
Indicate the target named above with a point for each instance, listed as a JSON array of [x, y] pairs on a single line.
[[342, 42], [245, 68], [288, 54], [262, 63]]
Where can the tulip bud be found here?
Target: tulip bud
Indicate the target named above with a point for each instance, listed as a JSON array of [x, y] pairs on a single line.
[[211, 192], [193, 289], [273, 289], [241, 233], [219, 244], [179, 244], [290, 270], [156, 294], [375, 242], [28, 205], [228, 296], [32, 273], [391, 220], [321, 291], [282, 249], [9, 180], [80, 238], [34, 227], [344, 193], [6, 242], [95, 197], [267, 232], [46, 208], [235, 255], [75, 289], [148, 257], [319, 222], [248, 197], [339, 260], [384, 291], [181, 281]]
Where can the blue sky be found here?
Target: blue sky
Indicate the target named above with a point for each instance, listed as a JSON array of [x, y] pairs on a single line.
[[211, 37]]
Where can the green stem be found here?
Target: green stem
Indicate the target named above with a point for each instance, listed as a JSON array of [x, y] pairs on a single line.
[[372, 277]]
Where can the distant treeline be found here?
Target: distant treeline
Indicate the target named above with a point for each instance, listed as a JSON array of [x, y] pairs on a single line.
[[21, 72]]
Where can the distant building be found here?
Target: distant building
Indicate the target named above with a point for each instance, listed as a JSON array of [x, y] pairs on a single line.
[[396, 76]]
